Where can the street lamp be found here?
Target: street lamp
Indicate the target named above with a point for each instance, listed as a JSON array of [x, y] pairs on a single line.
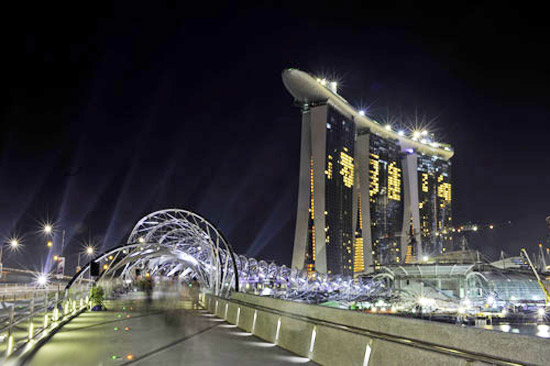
[[42, 280], [48, 229], [14, 245], [90, 250]]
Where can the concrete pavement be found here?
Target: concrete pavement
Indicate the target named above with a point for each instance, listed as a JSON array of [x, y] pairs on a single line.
[[130, 333]]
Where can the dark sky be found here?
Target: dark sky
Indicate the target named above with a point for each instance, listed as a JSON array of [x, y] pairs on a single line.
[[113, 111]]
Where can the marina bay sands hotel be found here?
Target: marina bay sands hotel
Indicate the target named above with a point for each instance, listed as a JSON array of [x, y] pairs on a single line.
[[368, 195]]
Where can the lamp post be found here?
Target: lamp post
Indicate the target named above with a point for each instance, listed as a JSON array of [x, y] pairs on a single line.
[[90, 250], [49, 230], [13, 244]]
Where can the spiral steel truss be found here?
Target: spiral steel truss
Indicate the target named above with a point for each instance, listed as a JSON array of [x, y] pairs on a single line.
[[180, 243]]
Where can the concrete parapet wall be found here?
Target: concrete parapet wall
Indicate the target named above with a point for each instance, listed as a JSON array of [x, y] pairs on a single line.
[[344, 337]]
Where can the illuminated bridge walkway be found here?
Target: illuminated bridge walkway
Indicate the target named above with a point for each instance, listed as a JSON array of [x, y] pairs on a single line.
[[130, 333], [176, 246]]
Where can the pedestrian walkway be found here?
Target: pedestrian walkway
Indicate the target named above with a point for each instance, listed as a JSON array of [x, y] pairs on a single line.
[[130, 333]]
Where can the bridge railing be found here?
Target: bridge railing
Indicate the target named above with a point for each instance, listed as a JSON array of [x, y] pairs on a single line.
[[29, 316], [332, 336], [13, 293]]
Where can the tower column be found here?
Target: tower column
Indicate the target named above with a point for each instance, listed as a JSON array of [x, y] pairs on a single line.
[[410, 183], [300, 238], [318, 153]]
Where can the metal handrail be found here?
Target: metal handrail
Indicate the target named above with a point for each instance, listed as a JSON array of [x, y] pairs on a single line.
[[52, 306]]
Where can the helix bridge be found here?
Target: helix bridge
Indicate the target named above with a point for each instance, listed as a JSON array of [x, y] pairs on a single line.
[[181, 244]]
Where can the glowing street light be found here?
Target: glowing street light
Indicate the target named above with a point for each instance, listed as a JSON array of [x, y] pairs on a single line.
[[48, 229], [13, 243], [89, 252], [42, 280]]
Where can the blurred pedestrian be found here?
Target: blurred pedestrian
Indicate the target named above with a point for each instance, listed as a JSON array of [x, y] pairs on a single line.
[[148, 288], [194, 291]]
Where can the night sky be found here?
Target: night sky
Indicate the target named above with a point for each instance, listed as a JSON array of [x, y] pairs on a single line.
[[114, 111]]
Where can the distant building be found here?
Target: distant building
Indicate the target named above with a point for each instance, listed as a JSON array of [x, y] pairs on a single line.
[[475, 282], [368, 195], [434, 177]]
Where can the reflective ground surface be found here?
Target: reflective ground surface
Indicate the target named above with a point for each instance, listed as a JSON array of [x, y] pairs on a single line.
[[131, 333]]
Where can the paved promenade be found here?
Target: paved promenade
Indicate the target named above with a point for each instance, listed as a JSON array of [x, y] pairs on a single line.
[[130, 333]]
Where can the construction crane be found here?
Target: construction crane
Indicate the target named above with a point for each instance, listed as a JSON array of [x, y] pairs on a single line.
[[547, 296]]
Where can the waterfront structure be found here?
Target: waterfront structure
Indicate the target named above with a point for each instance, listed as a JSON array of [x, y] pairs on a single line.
[[479, 285], [368, 194]]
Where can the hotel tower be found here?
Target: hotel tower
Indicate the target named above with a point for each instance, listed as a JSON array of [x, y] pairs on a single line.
[[368, 195]]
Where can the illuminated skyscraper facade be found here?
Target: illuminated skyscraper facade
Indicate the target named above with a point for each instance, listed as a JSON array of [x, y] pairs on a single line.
[[329, 231], [435, 204], [368, 196], [339, 181], [385, 200]]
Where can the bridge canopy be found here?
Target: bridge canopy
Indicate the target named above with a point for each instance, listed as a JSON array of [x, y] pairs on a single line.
[[181, 244]]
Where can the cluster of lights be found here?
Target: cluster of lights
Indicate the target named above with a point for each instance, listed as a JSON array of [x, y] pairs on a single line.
[[331, 85], [422, 136], [394, 182], [374, 171], [129, 357], [347, 170], [47, 229], [416, 135]]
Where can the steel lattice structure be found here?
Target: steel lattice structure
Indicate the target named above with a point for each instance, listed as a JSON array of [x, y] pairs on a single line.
[[180, 243]]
